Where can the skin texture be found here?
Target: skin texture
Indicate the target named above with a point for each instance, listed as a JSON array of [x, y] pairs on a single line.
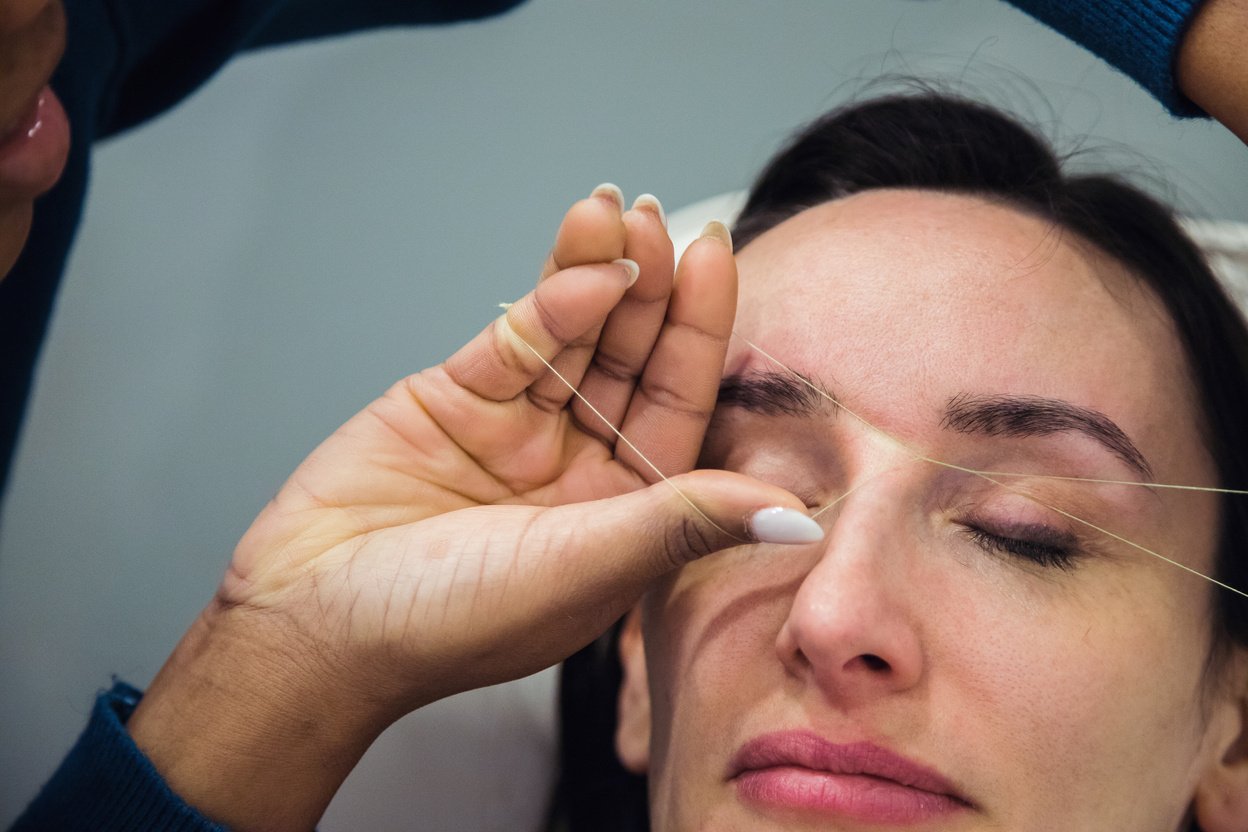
[[1210, 65], [1051, 698]]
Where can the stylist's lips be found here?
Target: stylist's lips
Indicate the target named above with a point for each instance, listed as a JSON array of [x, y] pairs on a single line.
[[797, 772], [34, 148]]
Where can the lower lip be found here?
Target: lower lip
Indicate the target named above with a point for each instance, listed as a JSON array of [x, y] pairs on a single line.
[[32, 157], [855, 797]]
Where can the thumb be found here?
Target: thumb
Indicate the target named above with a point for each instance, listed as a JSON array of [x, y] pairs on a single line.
[[672, 523], [576, 568], [619, 546]]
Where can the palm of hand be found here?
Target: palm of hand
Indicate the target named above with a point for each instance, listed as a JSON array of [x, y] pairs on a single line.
[[430, 522]]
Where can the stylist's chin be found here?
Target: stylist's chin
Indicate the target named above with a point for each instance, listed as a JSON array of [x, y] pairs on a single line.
[[34, 131]]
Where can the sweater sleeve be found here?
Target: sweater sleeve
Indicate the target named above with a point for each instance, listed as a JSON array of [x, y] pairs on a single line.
[[105, 784], [1139, 37], [165, 49]]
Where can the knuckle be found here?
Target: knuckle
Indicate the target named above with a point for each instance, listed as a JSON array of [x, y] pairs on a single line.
[[591, 424], [545, 400], [671, 398], [688, 541], [698, 333], [615, 367], [514, 354], [547, 319]]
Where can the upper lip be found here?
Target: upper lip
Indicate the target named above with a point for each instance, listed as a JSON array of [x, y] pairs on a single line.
[[805, 749]]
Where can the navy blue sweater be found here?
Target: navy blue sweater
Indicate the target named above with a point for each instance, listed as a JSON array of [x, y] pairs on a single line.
[[107, 785]]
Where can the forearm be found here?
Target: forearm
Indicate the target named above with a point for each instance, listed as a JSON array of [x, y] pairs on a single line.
[[1211, 66], [248, 729]]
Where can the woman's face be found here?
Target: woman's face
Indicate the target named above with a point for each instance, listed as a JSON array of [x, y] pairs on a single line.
[[957, 653]]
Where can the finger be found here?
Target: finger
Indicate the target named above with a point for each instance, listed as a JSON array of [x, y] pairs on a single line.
[[631, 330], [592, 231], [503, 360], [539, 584], [675, 397], [607, 552]]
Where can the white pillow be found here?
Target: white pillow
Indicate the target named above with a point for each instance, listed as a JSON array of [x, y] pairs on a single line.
[[1226, 246]]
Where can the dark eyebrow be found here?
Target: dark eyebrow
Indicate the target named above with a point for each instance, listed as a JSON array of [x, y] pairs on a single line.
[[773, 394], [1038, 416]]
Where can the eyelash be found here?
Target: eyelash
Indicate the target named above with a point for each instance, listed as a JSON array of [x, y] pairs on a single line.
[[1042, 553]]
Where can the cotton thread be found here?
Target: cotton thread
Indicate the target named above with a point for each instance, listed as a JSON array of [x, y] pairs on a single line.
[[626, 440], [916, 456], [989, 476]]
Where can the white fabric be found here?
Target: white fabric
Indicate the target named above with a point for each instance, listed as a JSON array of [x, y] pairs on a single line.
[[478, 761], [1226, 246]]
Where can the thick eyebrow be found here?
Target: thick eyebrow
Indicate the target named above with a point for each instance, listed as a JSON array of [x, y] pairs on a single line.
[[1039, 416], [774, 394]]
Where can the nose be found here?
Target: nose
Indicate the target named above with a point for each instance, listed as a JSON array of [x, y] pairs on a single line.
[[854, 628]]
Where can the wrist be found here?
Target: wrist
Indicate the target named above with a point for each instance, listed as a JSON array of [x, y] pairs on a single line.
[[249, 724], [1140, 39], [1210, 61]]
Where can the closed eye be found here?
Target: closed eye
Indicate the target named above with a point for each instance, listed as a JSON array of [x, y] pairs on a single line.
[[1045, 547]]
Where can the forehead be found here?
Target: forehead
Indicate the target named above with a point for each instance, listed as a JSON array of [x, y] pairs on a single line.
[[902, 299]]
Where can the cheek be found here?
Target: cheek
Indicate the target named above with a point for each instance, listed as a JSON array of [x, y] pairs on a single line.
[[1081, 703], [1074, 697], [710, 644]]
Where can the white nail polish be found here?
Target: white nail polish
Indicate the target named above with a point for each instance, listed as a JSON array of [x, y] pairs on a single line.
[[611, 192], [631, 267], [784, 525], [652, 201]]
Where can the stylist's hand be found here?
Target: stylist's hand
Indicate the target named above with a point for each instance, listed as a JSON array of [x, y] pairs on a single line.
[[475, 524], [1210, 65]]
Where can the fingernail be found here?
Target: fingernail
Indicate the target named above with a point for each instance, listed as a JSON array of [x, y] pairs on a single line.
[[631, 267], [651, 202], [610, 192], [718, 231], [783, 525]]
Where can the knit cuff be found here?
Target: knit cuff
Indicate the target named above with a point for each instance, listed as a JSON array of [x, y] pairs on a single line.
[[105, 784], [1139, 37]]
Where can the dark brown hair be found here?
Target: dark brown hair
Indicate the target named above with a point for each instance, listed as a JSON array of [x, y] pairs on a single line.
[[946, 143]]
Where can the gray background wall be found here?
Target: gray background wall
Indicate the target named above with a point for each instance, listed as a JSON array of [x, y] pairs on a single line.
[[323, 219]]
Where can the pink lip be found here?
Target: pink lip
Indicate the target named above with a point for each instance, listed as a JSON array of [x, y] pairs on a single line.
[[799, 771], [32, 154]]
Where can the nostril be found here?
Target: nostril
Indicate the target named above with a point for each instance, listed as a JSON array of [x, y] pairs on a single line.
[[873, 662]]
